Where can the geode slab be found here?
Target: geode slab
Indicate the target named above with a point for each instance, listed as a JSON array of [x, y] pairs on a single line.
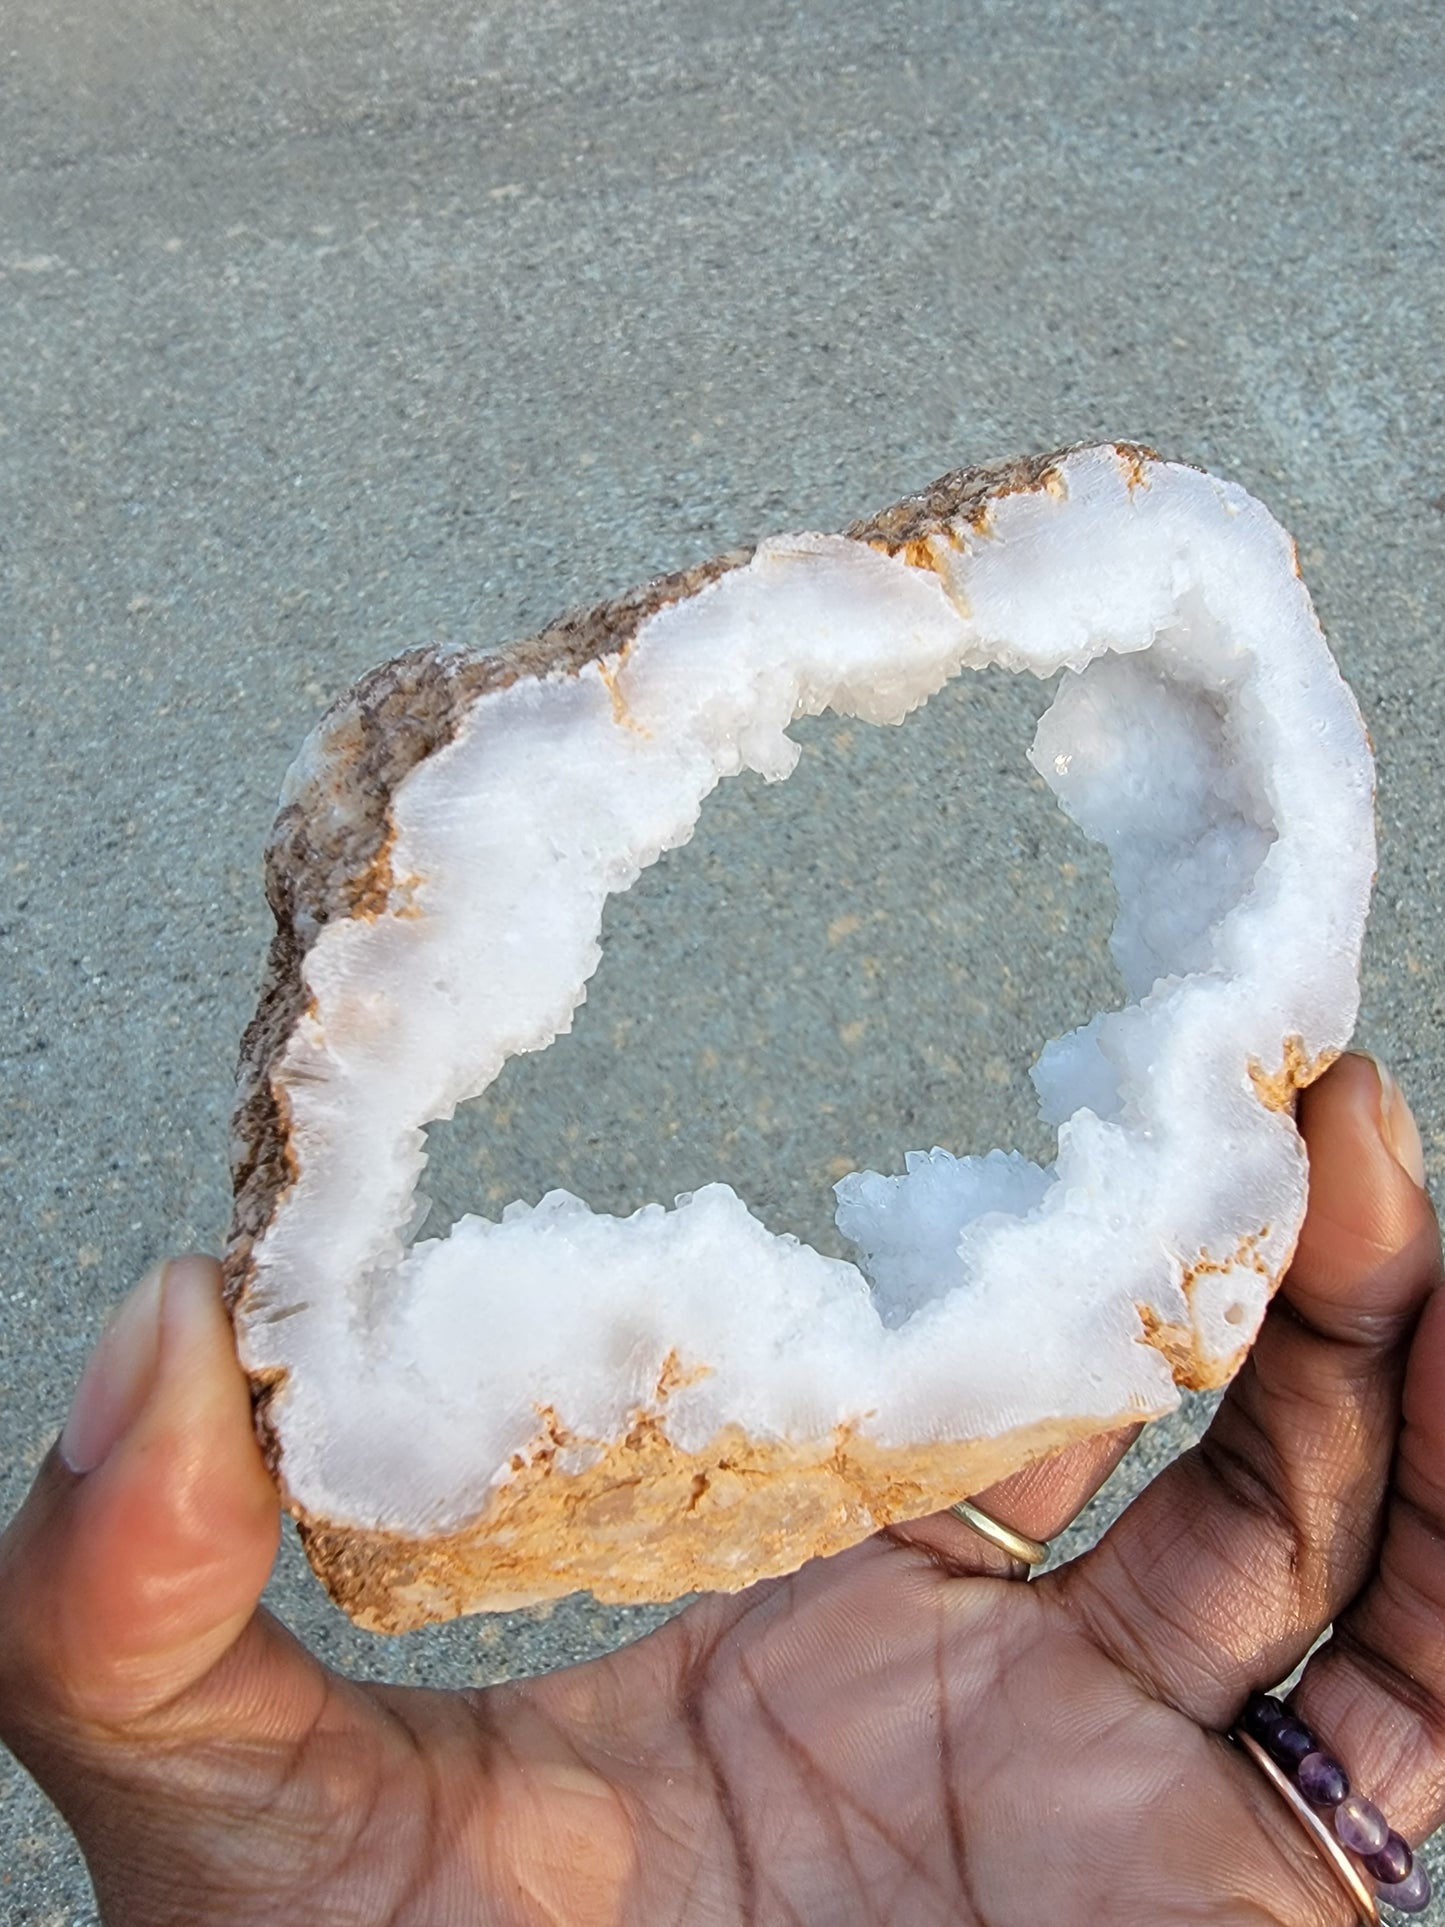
[[681, 1399]]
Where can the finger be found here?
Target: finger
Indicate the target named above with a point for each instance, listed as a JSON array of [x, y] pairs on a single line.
[[174, 1724], [1039, 1501], [1222, 1573], [142, 1549], [1376, 1693]]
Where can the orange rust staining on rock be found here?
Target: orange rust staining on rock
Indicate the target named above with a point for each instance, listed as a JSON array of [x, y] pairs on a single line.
[[639, 1522], [931, 552], [644, 1423], [554, 1434], [674, 1376], [609, 668], [1178, 1345], [1246, 1253], [918, 552], [266, 1386], [1276, 1089], [288, 1147], [927, 551], [402, 902], [371, 891], [1134, 458]]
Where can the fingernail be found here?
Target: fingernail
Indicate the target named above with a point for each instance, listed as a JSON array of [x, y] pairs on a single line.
[[116, 1379], [191, 1309], [1398, 1127]]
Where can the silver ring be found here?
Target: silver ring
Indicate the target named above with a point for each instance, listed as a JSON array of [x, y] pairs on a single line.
[[1341, 1865], [1030, 1552]]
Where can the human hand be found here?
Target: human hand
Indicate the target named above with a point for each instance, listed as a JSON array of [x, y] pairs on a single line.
[[899, 1734]]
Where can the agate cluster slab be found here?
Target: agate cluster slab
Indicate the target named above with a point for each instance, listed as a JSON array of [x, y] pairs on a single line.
[[681, 1398]]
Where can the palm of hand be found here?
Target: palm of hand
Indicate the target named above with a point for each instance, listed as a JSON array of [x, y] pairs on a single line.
[[875, 1740], [891, 1736]]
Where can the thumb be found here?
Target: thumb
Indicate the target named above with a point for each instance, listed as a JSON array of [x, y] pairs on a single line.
[[142, 1549]]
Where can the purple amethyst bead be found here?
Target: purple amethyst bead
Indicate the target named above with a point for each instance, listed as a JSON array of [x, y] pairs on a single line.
[[1360, 1825], [1411, 1895], [1261, 1716], [1322, 1780], [1289, 1743], [1393, 1863]]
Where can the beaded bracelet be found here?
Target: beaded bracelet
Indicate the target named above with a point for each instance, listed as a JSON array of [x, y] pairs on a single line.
[[1400, 1880]]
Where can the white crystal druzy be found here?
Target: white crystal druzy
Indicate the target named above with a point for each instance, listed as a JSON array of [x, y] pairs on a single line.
[[1200, 732]]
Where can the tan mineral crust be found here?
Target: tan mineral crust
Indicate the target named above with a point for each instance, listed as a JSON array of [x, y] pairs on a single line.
[[648, 1521], [632, 1513]]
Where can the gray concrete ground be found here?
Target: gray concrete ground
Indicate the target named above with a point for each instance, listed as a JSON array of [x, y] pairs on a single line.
[[324, 331]]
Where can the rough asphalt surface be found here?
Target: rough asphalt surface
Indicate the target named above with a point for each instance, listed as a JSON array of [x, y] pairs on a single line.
[[327, 331]]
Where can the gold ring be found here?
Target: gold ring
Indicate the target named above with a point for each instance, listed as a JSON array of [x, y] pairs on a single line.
[[1031, 1552], [1341, 1865]]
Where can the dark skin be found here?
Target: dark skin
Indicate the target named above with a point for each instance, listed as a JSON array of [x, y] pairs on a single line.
[[905, 1733]]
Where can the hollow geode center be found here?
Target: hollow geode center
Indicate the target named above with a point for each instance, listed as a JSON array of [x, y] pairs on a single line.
[[680, 1397]]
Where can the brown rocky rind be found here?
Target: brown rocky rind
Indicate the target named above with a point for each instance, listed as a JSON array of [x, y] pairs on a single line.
[[647, 1521], [569, 1512]]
